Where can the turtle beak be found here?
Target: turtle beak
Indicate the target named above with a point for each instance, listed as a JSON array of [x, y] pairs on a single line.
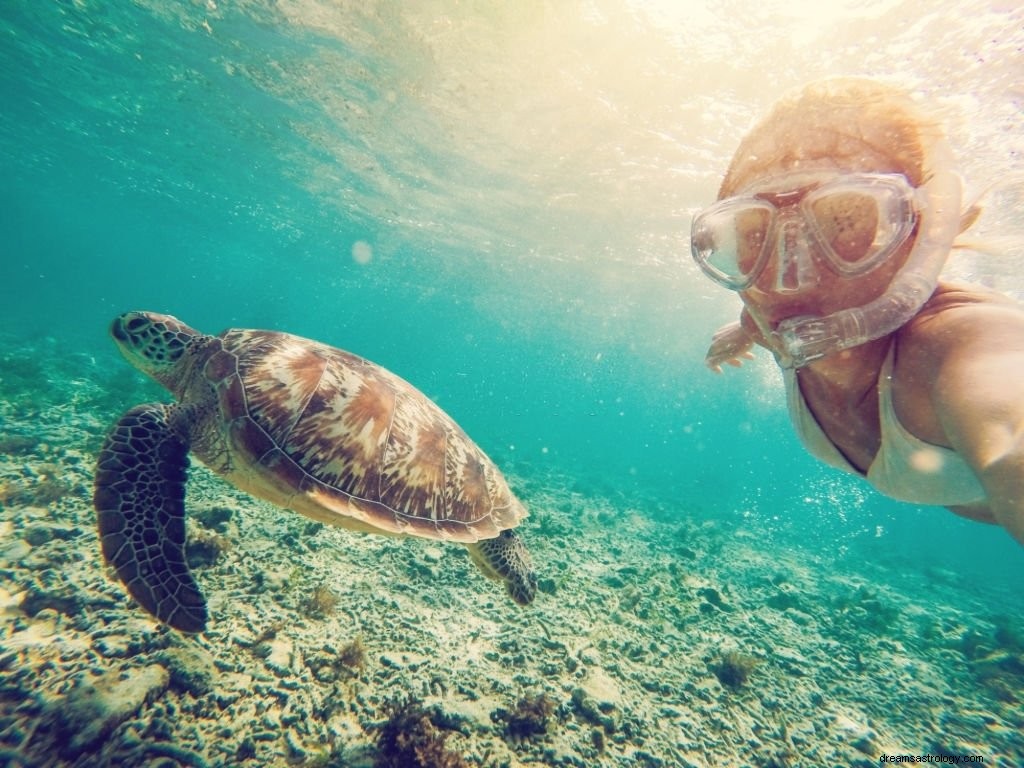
[[117, 330]]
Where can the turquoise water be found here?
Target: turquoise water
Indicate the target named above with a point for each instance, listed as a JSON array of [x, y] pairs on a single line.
[[490, 201], [220, 163]]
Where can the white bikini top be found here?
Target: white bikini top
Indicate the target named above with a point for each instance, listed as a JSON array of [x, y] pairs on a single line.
[[905, 467]]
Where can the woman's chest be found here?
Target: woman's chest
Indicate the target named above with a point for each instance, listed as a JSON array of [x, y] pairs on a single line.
[[851, 425]]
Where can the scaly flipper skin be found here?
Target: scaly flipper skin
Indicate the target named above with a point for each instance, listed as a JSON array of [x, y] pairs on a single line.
[[140, 506], [506, 559]]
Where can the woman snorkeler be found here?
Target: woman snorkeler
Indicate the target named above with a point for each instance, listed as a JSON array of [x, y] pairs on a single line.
[[833, 223]]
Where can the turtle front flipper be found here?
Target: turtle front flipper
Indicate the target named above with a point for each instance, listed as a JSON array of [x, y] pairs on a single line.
[[140, 510], [505, 558]]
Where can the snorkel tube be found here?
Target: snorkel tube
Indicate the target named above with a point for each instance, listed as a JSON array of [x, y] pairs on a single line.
[[801, 340]]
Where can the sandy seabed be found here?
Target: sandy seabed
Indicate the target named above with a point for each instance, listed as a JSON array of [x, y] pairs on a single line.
[[657, 638]]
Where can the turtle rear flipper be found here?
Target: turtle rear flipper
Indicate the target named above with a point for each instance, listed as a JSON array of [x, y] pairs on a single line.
[[140, 507], [504, 558]]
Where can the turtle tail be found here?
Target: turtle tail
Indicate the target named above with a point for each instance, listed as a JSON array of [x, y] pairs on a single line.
[[140, 511]]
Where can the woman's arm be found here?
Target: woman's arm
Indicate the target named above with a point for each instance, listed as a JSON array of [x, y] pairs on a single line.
[[976, 389]]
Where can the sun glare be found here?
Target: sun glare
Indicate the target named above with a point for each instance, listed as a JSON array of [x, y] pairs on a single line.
[[807, 18]]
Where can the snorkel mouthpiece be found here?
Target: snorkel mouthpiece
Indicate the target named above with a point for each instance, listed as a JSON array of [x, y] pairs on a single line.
[[801, 340]]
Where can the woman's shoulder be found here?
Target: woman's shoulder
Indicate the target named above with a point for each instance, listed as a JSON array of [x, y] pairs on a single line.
[[957, 294], [965, 312]]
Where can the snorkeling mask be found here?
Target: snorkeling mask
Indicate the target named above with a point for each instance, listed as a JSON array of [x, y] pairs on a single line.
[[853, 223]]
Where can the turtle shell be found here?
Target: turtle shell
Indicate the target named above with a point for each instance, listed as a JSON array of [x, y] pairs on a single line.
[[340, 439]]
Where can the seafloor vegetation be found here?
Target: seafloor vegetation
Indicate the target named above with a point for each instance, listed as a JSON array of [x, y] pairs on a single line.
[[661, 637]]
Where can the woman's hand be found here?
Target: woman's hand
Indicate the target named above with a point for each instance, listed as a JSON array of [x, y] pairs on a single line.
[[730, 345]]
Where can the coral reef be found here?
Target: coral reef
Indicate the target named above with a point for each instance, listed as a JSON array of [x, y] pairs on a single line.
[[997, 660], [321, 602], [41, 485], [627, 665], [733, 668], [205, 548], [863, 611], [531, 716], [352, 655], [411, 739], [18, 445]]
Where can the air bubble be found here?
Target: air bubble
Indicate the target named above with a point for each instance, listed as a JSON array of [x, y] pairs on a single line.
[[362, 252]]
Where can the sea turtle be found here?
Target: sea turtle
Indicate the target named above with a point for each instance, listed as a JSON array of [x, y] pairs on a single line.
[[306, 426]]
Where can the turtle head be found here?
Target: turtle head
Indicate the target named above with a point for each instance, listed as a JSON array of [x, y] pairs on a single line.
[[153, 343]]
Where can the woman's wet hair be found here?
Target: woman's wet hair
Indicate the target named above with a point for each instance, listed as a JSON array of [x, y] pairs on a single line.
[[849, 124]]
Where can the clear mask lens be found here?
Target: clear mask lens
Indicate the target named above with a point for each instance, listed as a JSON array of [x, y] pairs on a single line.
[[860, 222], [854, 222], [730, 240]]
